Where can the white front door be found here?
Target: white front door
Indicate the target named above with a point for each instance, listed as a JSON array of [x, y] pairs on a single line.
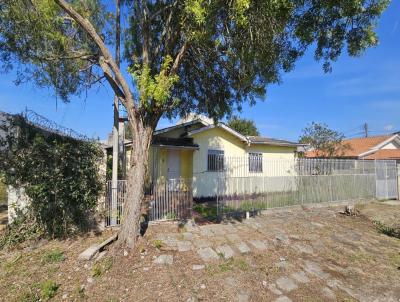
[[174, 164]]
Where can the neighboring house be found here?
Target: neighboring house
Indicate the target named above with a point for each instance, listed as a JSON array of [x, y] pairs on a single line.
[[204, 152], [369, 148]]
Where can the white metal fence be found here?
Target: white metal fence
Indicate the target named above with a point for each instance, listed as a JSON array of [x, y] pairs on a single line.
[[308, 181], [165, 200], [244, 184]]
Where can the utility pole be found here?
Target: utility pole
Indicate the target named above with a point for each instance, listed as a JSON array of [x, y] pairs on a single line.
[[365, 128], [116, 114]]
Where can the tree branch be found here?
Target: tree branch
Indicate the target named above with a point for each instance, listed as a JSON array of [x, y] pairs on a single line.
[[119, 80], [179, 58]]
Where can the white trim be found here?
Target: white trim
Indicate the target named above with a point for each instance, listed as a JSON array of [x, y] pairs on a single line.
[[168, 129], [380, 145]]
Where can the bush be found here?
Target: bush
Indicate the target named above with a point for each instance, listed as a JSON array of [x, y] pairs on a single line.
[[59, 175], [3, 191], [48, 289]]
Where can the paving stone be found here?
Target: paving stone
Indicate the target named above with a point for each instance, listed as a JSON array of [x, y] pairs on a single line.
[[283, 299], [258, 244], [218, 229], [164, 259], [314, 268], [242, 247], [243, 297], [184, 246], [226, 251], [201, 243], [334, 283], [303, 248], [273, 289], [286, 284], [187, 236], [300, 277], [197, 267], [207, 254], [329, 294], [233, 237], [230, 281], [230, 228], [218, 240], [206, 231], [282, 238]]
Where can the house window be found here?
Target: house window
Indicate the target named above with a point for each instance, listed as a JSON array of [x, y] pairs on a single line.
[[255, 162], [215, 160]]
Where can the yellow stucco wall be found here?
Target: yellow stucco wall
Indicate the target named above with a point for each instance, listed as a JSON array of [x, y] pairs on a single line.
[[277, 160]]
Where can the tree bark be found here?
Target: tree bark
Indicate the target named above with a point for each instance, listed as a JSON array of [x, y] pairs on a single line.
[[136, 177]]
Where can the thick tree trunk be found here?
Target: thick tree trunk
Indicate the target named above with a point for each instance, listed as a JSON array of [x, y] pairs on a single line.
[[136, 177]]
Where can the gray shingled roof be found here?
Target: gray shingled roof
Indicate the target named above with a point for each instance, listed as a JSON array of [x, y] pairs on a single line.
[[271, 141]]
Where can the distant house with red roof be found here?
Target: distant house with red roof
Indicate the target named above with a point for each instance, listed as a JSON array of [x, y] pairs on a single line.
[[374, 147]]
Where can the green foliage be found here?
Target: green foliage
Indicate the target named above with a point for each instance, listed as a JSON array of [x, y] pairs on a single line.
[[59, 175], [245, 127], [158, 244], [48, 47], [48, 289], [99, 268], [205, 211], [157, 88], [23, 228], [392, 231], [228, 51], [53, 256], [325, 141], [3, 191]]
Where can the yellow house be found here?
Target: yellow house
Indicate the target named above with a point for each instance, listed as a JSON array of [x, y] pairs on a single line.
[[204, 153]]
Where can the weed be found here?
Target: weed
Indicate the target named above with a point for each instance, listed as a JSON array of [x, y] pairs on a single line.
[[53, 256], [394, 260], [158, 244], [48, 289], [207, 212], [387, 230], [231, 264], [100, 268]]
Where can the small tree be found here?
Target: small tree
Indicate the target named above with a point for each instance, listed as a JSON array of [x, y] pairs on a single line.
[[245, 127], [324, 141], [183, 56]]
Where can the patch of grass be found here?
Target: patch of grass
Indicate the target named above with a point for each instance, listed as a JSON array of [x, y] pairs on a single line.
[[53, 256], [158, 244], [394, 260], [48, 289], [205, 211], [101, 267], [9, 266], [361, 257], [387, 230], [232, 264]]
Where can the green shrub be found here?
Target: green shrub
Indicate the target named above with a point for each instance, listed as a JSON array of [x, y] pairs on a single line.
[[53, 256], [99, 268], [3, 191], [205, 211], [48, 289], [59, 175], [392, 231]]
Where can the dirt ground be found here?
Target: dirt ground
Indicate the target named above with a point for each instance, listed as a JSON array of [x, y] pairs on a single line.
[[308, 254]]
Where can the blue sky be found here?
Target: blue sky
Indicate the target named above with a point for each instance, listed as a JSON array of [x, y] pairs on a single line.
[[359, 90]]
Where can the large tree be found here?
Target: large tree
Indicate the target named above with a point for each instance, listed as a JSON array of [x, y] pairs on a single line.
[[204, 56], [244, 126]]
